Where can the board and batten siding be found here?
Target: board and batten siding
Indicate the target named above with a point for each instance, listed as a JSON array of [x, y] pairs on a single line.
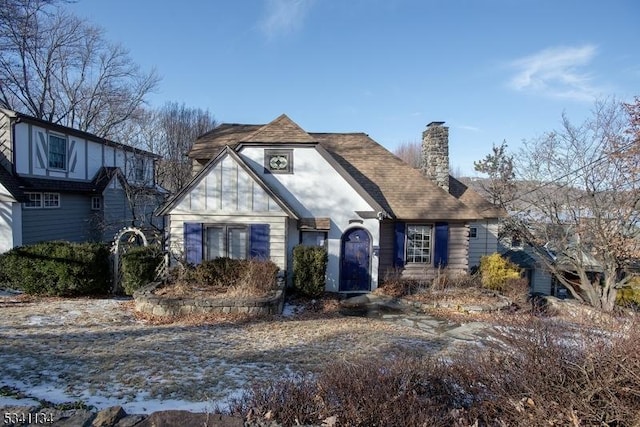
[[227, 194], [277, 231], [71, 221], [227, 188], [457, 253], [485, 242]]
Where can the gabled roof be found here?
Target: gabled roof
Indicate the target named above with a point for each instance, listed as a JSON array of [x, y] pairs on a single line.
[[20, 117], [281, 130], [471, 198], [400, 189], [396, 187], [176, 198]]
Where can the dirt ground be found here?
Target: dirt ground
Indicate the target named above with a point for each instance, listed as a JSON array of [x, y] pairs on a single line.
[[99, 349]]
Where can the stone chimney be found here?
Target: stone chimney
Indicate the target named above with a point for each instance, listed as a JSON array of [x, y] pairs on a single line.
[[435, 154]]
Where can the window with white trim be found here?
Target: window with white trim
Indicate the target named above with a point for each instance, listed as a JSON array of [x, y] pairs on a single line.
[[418, 243], [226, 241], [51, 200], [42, 200], [57, 152], [34, 200], [96, 203]]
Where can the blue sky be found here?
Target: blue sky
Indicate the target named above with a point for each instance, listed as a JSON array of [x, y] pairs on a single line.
[[493, 70]]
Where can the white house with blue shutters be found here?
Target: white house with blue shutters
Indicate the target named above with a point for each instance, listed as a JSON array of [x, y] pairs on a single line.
[[59, 183], [260, 190]]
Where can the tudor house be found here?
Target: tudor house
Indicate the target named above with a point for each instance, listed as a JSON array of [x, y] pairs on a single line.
[[260, 190], [58, 183]]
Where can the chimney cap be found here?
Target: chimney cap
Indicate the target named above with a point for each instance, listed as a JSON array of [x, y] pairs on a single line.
[[435, 124]]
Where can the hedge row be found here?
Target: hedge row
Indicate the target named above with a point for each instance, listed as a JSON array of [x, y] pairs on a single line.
[[57, 269]]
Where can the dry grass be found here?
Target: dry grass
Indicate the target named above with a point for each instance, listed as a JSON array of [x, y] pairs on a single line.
[[538, 373]]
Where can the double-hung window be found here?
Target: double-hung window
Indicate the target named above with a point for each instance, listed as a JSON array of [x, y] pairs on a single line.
[[419, 243], [57, 152], [226, 241]]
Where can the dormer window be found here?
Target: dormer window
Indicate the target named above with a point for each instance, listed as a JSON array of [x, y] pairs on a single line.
[[57, 152], [278, 161]]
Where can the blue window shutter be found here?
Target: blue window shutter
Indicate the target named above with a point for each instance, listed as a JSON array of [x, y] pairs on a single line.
[[441, 251], [259, 243], [398, 244], [193, 242]]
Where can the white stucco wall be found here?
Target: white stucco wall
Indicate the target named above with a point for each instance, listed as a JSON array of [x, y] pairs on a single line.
[[316, 190]]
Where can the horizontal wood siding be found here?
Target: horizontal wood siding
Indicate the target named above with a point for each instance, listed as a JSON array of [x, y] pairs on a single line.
[[116, 212], [277, 231], [72, 221], [485, 243], [541, 281], [458, 253], [458, 248]]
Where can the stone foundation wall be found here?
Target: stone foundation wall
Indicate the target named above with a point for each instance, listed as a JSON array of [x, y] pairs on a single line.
[[148, 302]]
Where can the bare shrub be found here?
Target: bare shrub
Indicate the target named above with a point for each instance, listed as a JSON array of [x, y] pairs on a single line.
[[233, 277], [539, 372], [394, 285]]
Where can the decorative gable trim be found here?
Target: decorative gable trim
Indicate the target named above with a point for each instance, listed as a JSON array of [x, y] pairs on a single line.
[[227, 151]]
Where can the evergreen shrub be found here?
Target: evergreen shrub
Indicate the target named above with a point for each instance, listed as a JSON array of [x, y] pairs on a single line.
[[57, 268], [138, 267], [309, 269]]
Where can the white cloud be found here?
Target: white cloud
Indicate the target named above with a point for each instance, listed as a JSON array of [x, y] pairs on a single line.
[[557, 72], [469, 128], [284, 16]]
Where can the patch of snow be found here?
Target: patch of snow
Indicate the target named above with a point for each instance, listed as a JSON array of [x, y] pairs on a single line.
[[291, 310], [37, 320], [12, 401], [9, 292]]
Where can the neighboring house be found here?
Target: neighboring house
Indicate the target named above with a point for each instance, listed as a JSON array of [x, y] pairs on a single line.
[[58, 183], [541, 281], [260, 190]]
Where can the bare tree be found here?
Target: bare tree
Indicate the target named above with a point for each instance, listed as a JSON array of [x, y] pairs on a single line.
[[579, 203], [170, 132], [411, 153], [57, 67], [499, 167]]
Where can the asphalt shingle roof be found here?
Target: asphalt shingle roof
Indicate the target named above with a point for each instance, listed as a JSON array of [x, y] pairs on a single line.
[[397, 187]]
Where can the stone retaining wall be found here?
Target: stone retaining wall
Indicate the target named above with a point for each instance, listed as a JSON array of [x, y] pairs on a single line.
[[148, 302]]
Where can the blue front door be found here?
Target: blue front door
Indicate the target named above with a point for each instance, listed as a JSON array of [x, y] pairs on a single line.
[[355, 261]]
